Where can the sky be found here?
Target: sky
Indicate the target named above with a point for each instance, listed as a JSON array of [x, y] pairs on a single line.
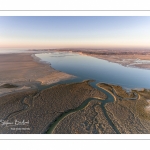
[[48, 32]]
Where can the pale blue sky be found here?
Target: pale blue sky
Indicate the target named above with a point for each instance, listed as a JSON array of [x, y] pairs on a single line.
[[74, 32]]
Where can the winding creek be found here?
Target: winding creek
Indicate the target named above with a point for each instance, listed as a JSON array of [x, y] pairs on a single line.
[[89, 68], [109, 99]]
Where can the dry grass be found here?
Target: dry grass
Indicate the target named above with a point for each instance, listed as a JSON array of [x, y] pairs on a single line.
[[45, 106], [90, 120], [130, 116]]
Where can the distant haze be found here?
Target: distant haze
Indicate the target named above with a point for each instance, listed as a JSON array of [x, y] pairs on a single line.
[[74, 32]]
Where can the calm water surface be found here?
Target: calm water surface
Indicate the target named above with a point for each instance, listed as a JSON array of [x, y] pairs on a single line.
[[86, 67]]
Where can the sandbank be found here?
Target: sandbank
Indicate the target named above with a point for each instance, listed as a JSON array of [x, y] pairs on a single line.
[[26, 70]]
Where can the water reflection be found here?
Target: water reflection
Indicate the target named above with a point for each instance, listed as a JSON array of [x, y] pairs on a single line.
[[87, 67]]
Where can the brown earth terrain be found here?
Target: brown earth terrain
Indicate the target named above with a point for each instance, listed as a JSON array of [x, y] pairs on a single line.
[[24, 71], [41, 109], [90, 120], [128, 116]]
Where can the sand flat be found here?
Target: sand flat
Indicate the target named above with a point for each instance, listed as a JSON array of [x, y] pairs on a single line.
[[23, 69], [126, 60]]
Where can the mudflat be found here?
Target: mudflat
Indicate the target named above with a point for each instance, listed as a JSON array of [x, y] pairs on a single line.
[[131, 58], [22, 71]]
